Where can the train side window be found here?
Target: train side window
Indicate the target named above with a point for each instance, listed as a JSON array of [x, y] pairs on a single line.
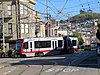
[[60, 43], [42, 44], [26, 45]]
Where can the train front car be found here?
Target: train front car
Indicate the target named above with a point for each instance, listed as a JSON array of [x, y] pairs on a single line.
[[39, 46], [19, 46]]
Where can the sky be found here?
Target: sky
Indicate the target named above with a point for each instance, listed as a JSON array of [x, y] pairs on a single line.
[[62, 9]]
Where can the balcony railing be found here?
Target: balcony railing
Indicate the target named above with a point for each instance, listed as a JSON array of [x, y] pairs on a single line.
[[6, 18]]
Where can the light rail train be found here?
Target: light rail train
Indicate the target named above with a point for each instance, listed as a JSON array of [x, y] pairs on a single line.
[[45, 46]]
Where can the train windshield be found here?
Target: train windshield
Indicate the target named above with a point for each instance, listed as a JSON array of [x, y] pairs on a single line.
[[42, 44], [18, 44]]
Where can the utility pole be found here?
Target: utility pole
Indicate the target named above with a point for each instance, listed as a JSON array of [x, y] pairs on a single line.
[[68, 25], [47, 8], [18, 19], [17, 7], [48, 27]]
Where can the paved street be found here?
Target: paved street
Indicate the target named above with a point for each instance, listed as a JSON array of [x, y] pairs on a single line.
[[79, 63]]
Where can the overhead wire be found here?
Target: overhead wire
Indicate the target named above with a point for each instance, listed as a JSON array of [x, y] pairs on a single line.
[[61, 11], [52, 4], [85, 8], [82, 5], [78, 10], [49, 8], [64, 5], [94, 8], [46, 5], [92, 2], [89, 6]]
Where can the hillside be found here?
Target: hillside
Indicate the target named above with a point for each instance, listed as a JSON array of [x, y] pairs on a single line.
[[85, 16]]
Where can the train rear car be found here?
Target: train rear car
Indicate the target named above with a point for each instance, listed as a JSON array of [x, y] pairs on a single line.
[[39, 46]]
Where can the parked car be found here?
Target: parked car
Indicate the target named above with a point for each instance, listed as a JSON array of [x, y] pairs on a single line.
[[87, 47], [98, 50]]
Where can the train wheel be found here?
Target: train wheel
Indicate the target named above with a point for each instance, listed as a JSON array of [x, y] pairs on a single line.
[[15, 55], [3, 55], [36, 54], [41, 54]]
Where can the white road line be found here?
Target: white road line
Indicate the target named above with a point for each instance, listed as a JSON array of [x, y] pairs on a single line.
[[63, 70]]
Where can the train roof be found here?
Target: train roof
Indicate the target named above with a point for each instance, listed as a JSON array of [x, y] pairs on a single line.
[[43, 38]]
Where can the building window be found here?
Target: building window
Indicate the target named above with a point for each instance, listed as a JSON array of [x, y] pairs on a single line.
[[21, 9], [26, 10], [22, 28], [10, 28], [9, 10], [26, 28]]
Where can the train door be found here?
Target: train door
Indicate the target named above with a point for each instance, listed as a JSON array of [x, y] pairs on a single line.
[[31, 47]]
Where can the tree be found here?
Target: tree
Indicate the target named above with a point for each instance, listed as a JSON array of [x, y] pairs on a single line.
[[83, 16], [80, 39], [98, 31]]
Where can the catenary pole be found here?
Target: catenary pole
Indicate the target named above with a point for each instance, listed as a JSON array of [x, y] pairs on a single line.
[[48, 27]]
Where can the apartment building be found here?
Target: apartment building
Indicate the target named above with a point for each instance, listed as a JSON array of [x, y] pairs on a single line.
[[20, 21]]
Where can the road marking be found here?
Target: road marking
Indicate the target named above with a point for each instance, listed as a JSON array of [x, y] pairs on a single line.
[[63, 70]]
